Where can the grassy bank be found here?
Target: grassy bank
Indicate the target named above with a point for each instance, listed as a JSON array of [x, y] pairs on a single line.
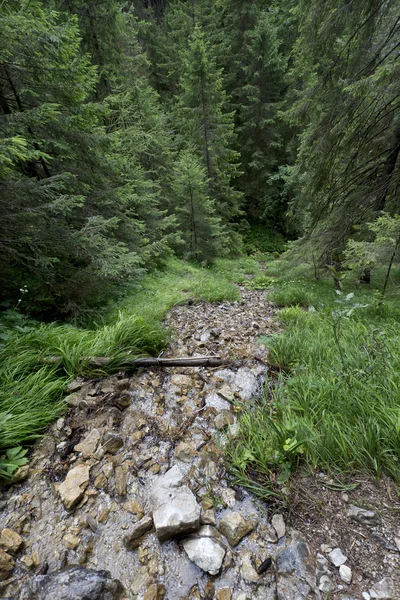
[[333, 401], [32, 385]]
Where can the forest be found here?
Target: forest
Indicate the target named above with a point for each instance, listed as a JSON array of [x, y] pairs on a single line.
[[148, 147]]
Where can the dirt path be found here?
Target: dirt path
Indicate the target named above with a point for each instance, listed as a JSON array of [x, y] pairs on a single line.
[[139, 458]]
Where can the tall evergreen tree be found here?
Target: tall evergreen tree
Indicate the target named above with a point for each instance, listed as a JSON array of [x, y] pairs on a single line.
[[203, 121], [346, 97], [202, 232], [255, 73]]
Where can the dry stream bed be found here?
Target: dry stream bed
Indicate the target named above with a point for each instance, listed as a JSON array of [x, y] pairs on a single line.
[[132, 481]]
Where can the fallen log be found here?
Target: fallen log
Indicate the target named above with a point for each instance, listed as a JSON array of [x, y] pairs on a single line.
[[100, 362], [196, 361]]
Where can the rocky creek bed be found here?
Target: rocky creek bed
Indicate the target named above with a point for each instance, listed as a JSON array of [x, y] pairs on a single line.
[[128, 495]]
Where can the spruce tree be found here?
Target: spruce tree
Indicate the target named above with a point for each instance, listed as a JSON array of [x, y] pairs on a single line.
[[203, 121], [201, 229]]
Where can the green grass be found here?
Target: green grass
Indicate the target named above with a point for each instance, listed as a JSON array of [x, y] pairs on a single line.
[[38, 360], [337, 408]]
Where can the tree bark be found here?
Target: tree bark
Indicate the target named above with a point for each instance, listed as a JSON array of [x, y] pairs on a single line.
[[389, 168]]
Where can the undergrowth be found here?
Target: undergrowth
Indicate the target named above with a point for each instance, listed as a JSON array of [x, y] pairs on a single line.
[[335, 404], [38, 360]]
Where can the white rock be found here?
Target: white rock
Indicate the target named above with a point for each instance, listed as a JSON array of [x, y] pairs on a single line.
[[215, 401], [345, 574], [383, 590], [325, 584], [206, 552], [366, 596], [174, 507], [73, 488], [279, 525], [247, 383], [337, 557]]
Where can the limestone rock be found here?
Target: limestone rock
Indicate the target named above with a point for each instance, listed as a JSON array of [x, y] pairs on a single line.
[[72, 489], [296, 571], [138, 529], [247, 570], [279, 525], [224, 594], [228, 497], [345, 574], [235, 527], [247, 383], [325, 584], [121, 475], [89, 445], [184, 452], [72, 583], [208, 517], [177, 513], [361, 515], [6, 564], [155, 591], [384, 590], [205, 550], [337, 557], [174, 506], [70, 541], [11, 541]]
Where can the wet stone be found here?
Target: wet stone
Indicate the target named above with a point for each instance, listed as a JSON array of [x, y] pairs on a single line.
[[112, 442], [89, 445], [72, 583]]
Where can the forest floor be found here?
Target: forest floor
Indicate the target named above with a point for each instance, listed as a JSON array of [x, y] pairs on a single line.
[[120, 447]]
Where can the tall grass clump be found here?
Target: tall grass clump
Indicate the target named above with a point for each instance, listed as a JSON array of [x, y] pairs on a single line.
[[335, 405]]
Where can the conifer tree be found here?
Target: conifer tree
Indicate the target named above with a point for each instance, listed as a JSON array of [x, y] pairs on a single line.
[[204, 122], [201, 229]]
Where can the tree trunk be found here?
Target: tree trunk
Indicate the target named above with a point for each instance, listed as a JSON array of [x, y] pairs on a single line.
[[389, 168]]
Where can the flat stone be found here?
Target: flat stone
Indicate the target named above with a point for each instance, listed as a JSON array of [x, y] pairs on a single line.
[[72, 582], [224, 594], [177, 512], [89, 445], [101, 481], [134, 507], [121, 474], [70, 541], [279, 525], [208, 517], [325, 584], [215, 401], [223, 419], [296, 570], [362, 515], [337, 557], [345, 574], [6, 564], [156, 591], [205, 550], [247, 383], [247, 569], [73, 488], [235, 527], [11, 541], [137, 530], [112, 442], [383, 590], [184, 452]]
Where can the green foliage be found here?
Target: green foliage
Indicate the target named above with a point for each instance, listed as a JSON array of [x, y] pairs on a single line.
[[337, 407], [11, 461], [201, 230], [260, 238]]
